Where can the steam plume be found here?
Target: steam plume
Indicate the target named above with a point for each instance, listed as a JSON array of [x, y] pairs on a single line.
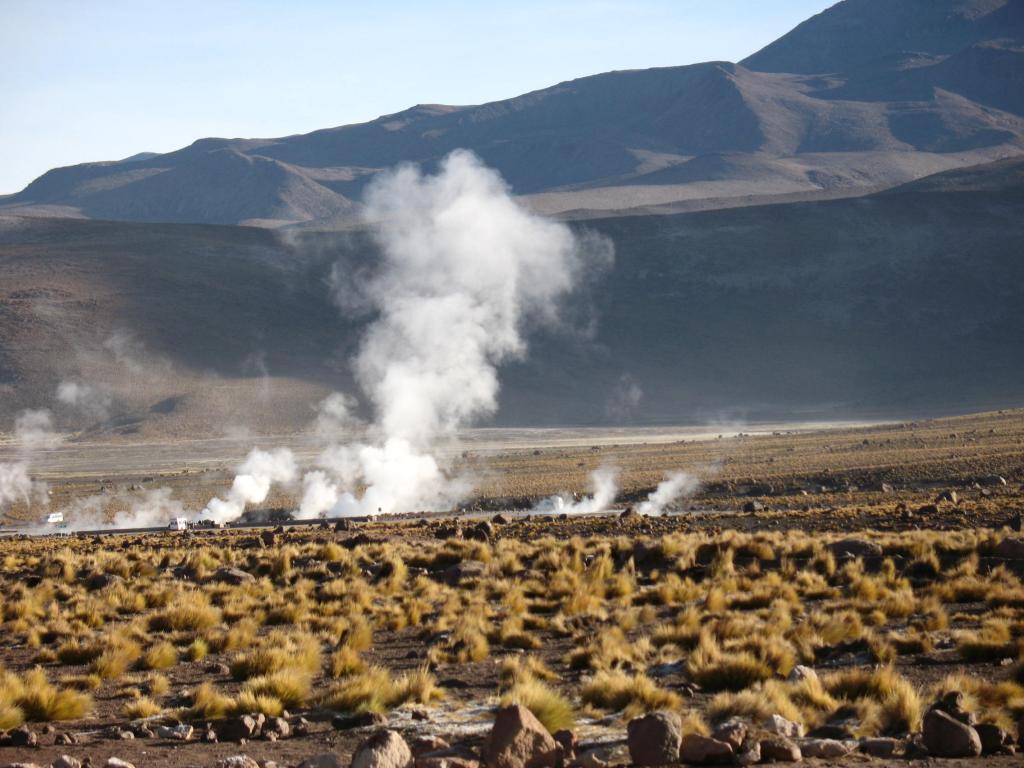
[[603, 481], [463, 268], [33, 431], [252, 484], [671, 488]]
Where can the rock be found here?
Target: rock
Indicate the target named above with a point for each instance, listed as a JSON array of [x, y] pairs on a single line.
[[753, 506], [325, 760], [567, 741], [518, 740], [233, 576], [277, 727], [384, 749], [949, 496], [783, 727], [238, 728], [22, 736], [180, 732], [429, 743], [362, 720], [66, 761], [603, 757], [97, 581], [733, 732], [997, 480], [455, 574], [824, 748], [749, 753], [116, 762], [22, 765], [237, 761], [945, 736], [855, 548], [879, 747], [65, 739], [994, 740], [799, 673], [654, 739], [779, 749], [499, 519], [1012, 548], [703, 750], [886, 488], [446, 761]]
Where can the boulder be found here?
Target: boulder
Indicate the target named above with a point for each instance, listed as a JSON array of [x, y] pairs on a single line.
[[827, 749], [66, 761], [945, 736], [446, 761], [237, 761], [779, 749], [22, 736], [182, 732], [277, 727], [519, 740], [116, 762], [460, 572], [603, 757], [994, 740], [421, 745], [879, 747], [704, 750], [855, 548], [733, 732], [238, 728], [749, 753], [384, 749], [325, 760], [779, 725], [1012, 548], [234, 576], [654, 739]]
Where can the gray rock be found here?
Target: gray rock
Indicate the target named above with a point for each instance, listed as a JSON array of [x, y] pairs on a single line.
[[945, 736], [66, 761], [704, 750], [116, 762], [654, 739], [277, 727], [799, 673]]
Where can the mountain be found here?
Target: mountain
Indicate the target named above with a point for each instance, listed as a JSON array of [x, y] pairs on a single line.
[[865, 96], [907, 301]]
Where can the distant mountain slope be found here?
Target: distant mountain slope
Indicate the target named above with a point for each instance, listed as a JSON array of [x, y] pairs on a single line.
[[867, 95], [855, 34], [906, 302]]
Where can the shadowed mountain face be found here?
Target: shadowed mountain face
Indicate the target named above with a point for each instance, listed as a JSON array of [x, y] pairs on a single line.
[[867, 95], [908, 301]]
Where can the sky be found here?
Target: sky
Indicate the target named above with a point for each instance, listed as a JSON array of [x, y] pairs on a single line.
[[86, 80]]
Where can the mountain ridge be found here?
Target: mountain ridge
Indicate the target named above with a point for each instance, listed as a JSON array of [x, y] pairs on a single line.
[[830, 123]]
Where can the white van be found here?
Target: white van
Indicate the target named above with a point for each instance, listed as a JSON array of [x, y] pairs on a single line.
[[178, 524], [55, 518]]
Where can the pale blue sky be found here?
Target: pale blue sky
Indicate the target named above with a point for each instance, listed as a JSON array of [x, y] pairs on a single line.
[[84, 80]]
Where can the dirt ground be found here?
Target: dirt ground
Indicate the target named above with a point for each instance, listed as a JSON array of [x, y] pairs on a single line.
[[881, 482]]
